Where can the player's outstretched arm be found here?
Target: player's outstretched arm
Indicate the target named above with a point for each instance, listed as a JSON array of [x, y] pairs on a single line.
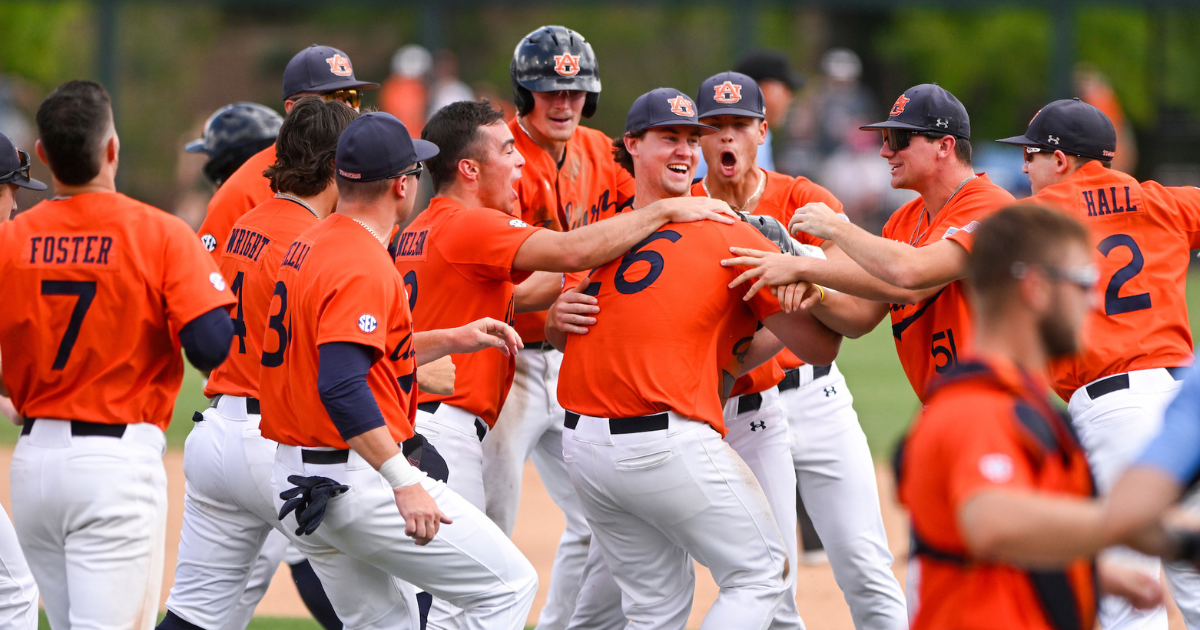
[[595, 244], [478, 335], [764, 348], [538, 292], [422, 518], [898, 264], [809, 339], [775, 269], [437, 377], [573, 312]]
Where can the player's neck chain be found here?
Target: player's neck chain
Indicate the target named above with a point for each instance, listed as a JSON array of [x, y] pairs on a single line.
[[295, 199], [379, 238], [749, 205], [915, 238]]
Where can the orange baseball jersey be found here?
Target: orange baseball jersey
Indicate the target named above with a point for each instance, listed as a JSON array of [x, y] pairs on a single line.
[[588, 187], [1142, 234], [250, 259], [931, 335], [99, 286], [241, 193], [670, 330], [780, 197], [336, 283], [1015, 441], [457, 265]]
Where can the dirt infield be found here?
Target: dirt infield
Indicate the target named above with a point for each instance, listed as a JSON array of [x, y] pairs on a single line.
[[538, 528]]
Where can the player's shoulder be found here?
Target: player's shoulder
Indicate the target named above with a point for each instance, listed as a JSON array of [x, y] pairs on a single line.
[[592, 138], [982, 190]]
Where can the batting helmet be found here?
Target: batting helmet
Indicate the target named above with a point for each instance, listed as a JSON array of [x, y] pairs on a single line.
[[554, 58], [233, 134]]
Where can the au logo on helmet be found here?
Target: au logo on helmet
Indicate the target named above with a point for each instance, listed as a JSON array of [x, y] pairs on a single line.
[[728, 93], [898, 108], [340, 66], [682, 106], [566, 64]]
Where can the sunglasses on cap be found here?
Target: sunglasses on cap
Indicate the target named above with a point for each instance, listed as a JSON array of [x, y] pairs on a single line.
[[351, 97], [414, 171], [1084, 277], [899, 139], [22, 172]]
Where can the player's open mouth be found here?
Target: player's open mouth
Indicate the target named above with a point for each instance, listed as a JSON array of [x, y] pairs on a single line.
[[678, 168], [728, 163], [561, 121]]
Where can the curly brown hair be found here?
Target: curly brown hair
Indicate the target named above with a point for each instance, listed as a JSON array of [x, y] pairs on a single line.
[[307, 145], [621, 154]]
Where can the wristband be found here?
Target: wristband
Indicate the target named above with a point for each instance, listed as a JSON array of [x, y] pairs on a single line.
[[399, 473]]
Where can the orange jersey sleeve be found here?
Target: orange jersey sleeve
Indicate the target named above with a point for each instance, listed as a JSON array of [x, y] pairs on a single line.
[[250, 260], [931, 335], [241, 193], [669, 330], [457, 265], [1142, 234], [100, 286], [336, 283]]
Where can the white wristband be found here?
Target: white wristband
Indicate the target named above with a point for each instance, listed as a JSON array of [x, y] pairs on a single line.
[[400, 473]]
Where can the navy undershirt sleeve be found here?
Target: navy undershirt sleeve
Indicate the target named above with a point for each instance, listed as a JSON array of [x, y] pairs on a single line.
[[207, 338], [342, 383]]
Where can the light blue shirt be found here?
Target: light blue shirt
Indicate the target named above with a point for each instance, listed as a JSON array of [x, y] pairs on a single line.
[[1176, 448]]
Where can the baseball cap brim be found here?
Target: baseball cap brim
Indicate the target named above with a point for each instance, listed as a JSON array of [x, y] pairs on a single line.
[[344, 84], [894, 124], [704, 129], [195, 146], [1020, 141], [27, 183], [733, 111], [424, 149]]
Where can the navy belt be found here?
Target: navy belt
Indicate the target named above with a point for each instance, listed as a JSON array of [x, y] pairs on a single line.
[[619, 426], [431, 408], [252, 404], [81, 428], [340, 456], [791, 378], [1121, 381], [538, 345], [748, 403]]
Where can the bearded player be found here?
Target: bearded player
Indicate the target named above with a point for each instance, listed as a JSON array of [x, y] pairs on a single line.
[[569, 180]]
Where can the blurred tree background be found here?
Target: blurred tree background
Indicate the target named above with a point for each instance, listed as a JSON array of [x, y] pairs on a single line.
[[175, 62]]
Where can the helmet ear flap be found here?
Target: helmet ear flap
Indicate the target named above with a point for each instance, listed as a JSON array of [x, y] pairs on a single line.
[[589, 104], [523, 99]]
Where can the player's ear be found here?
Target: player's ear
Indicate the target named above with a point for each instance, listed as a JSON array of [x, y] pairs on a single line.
[[469, 169], [112, 148], [41, 153], [1061, 162], [762, 132], [400, 186], [631, 144]]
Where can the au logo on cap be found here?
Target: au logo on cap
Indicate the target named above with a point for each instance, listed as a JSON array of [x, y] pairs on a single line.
[[566, 64], [682, 106], [728, 93], [898, 108], [339, 65]]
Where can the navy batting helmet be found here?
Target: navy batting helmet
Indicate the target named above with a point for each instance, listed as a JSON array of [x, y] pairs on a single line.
[[554, 58], [233, 134]]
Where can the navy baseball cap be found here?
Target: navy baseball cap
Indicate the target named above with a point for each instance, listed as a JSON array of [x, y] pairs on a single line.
[[663, 107], [377, 146], [14, 166], [927, 107], [1070, 126], [320, 69], [730, 94]]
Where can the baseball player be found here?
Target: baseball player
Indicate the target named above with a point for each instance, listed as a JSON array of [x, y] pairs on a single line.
[[1138, 338], [18, 590], [569, 180], [461, 257], [232, 135], [913, 270], [658, 484], [228, 510], [104, 292], [321, 70], [828, 450], [339, 359]]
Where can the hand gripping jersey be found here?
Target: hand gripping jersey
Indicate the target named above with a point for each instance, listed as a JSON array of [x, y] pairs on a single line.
[[336, 283], [250, 261], [589, 187], [241, 193], [1142, 233], [931, 335], [781, 196], [457, 266], [670, 332], [1014, 440], [98, 287]]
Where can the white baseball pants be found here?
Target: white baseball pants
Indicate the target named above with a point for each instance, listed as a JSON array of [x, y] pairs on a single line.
[[90, 513], [530, 426], [366, 562], [837, 480], [1114, 428], [657, 499], [18, 591]]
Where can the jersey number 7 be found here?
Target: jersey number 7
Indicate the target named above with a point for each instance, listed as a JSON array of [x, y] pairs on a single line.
[[86, 292]]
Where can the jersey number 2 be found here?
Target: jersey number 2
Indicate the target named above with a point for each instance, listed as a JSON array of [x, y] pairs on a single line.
[[86, 291], [1114, 304], [275, 322]]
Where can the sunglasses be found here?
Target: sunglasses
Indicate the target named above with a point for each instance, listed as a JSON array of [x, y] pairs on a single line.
[[350, 97], [1084, 277], [899, 139], [414, 171], [22, 172]]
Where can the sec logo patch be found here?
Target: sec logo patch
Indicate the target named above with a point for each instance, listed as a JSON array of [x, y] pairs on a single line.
[[517, 223], [996, 467], [367, 323], [217, 280], [209, 242]]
